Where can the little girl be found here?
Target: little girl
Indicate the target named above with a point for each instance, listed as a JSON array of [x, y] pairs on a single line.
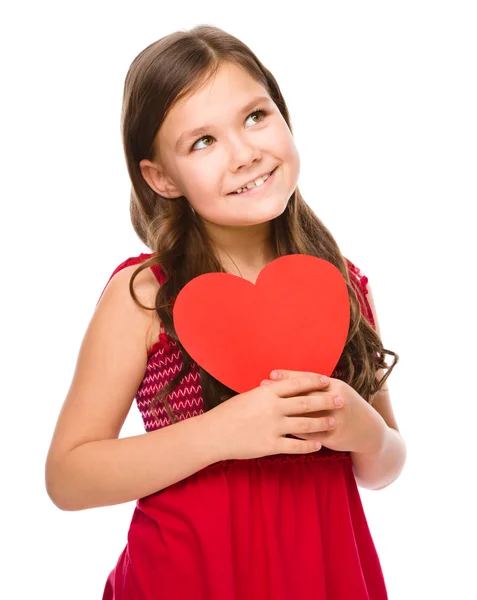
[[250, 496]]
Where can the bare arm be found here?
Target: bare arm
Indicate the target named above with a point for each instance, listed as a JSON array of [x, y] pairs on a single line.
[[107, 472], [377, 471], [88, 465]]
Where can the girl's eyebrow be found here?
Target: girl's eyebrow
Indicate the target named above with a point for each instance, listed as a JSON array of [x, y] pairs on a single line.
[[199, 130]]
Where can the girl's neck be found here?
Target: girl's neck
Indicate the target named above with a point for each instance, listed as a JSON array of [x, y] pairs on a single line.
[[243, 251], [247, 266]]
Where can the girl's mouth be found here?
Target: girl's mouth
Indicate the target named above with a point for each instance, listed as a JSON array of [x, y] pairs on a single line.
[[257, 190]]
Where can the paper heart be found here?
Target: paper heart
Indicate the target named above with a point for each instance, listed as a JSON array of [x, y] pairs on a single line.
[[296, 316]]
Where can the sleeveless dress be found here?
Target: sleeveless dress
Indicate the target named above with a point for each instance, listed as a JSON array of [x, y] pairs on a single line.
[[279, 527]]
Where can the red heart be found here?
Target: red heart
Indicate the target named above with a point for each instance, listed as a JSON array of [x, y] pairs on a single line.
[[295, 317]]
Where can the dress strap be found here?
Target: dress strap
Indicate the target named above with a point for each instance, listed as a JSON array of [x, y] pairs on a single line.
[[359, 282], [134, 260]]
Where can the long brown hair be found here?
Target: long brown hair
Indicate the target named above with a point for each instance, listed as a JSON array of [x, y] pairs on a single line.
[[162, 74]]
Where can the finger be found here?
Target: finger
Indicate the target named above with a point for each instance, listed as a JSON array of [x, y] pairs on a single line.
[[303, 425], [315, 437], [298, 405], [294, 446], [303, 382], [279, 374]]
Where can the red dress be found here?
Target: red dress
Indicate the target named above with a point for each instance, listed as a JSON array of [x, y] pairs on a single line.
[[279, 527]]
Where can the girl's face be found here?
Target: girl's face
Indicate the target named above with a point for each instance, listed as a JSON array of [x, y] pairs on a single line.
[[233, 143]]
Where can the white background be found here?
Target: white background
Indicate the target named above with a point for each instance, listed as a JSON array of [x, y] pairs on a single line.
[[382, 97]]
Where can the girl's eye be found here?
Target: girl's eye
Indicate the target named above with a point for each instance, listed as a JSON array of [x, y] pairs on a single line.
[[256, 112]]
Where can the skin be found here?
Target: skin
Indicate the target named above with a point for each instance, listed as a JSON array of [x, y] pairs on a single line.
[[370, 433], [354, 425], [238, 148], [235, 149], [358, 426]]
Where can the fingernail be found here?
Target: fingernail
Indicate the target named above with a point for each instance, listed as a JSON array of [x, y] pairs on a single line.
[[339, 401], [275, 375], [324, 379]]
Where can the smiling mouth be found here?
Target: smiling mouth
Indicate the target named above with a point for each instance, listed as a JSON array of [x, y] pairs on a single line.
[[255, 187]]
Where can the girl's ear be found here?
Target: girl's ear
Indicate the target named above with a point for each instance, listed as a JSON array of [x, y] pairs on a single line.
[[157, 180]]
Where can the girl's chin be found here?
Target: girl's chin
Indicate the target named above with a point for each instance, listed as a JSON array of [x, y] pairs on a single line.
[[255, 220], [247, 215]]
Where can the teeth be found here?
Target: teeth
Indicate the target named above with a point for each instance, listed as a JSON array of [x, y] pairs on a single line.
[[257, 183]]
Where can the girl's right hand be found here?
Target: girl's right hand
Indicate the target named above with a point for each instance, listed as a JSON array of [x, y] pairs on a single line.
[[254, 424]]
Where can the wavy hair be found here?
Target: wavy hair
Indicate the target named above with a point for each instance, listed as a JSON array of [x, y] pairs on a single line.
[[165, 72]]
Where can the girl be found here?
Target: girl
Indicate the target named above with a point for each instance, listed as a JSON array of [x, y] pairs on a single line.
[[239, 496]]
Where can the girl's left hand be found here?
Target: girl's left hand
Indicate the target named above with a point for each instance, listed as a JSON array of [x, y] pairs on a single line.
[[358, 426]]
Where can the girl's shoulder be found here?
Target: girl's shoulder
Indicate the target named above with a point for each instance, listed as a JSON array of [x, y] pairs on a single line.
[[154, 273], [146, 286]]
